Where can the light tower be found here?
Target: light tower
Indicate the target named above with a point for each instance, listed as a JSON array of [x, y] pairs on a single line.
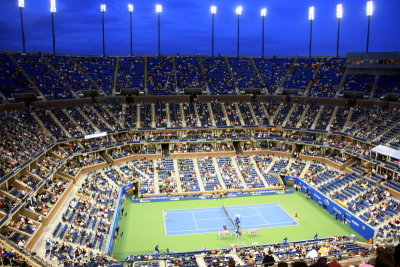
[[263, 14], [130, 9], [239, 11], [370, 12], [21, 5], [339, 16], [53, 10], [311, 17], [103, 9], [158, 11], [213, 10]]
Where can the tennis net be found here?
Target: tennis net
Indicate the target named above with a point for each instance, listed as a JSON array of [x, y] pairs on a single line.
[[227, 214]]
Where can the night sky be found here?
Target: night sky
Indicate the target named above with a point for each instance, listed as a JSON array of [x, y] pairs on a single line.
[[186, 27]]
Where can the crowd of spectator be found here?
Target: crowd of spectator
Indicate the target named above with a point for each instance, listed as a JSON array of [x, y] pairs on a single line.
[[47, 196], [371, 124]]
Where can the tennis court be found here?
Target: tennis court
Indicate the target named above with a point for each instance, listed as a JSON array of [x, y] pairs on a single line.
[[208, 220]]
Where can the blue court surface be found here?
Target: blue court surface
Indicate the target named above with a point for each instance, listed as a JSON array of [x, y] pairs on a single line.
[[208, 220]]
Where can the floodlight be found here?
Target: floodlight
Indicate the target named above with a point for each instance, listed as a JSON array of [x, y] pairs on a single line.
[[21, 3], [213, 10], [130, 8], [263, 12], [370, 8], [311, 13], [339, 11], [53, 6], [158, 8], [103, 8], [239, 10]]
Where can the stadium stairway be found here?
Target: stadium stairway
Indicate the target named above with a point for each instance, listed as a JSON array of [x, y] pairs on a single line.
[[87, 119], [168, 113], [146, 89], [87, 76], [198, 176], [268, 168], [219, 175], [153, 115], [81, 129], [229, 67], [114, 88], [59, 124], [176, 171], [347, 123], [238, 259], [273, 117], [311, 83], [299, 123], [292, 109], [253, 115], [119, 122], [110, 181], [305, 169], [210, 110], [280, 84], [241, 178], [142, 173], [174, 71], [41, 124], [156, 184], [182, 115], [256, 70], [101, 117], [228, 122], [73, 92], [200, 260], [374, 87], [137, 123], [106, 157], [325, 182], [387, 131], [376, 204], [123, 114], [202, 73], [321, 109], [196, 112], [239, 114], [31, 83], [251, 159], [341, 84], [335, 111], [348, 163]]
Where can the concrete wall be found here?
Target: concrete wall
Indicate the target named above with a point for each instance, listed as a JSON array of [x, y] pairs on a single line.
[[153, 99], [12, 106], [224, 98], [63, 103]]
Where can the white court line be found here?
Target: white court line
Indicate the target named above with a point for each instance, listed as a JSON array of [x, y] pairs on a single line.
[[204, 229], [226, 218], [223, 218], [258, 212], [194, 220], [165, 224], [287, 214], [266, 205], [195, 210], [288, 224], [219, 208]]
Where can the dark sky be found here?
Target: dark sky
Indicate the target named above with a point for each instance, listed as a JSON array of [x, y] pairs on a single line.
[[186, 26]]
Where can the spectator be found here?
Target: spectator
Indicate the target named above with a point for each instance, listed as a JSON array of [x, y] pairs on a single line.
[[268, 259]]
